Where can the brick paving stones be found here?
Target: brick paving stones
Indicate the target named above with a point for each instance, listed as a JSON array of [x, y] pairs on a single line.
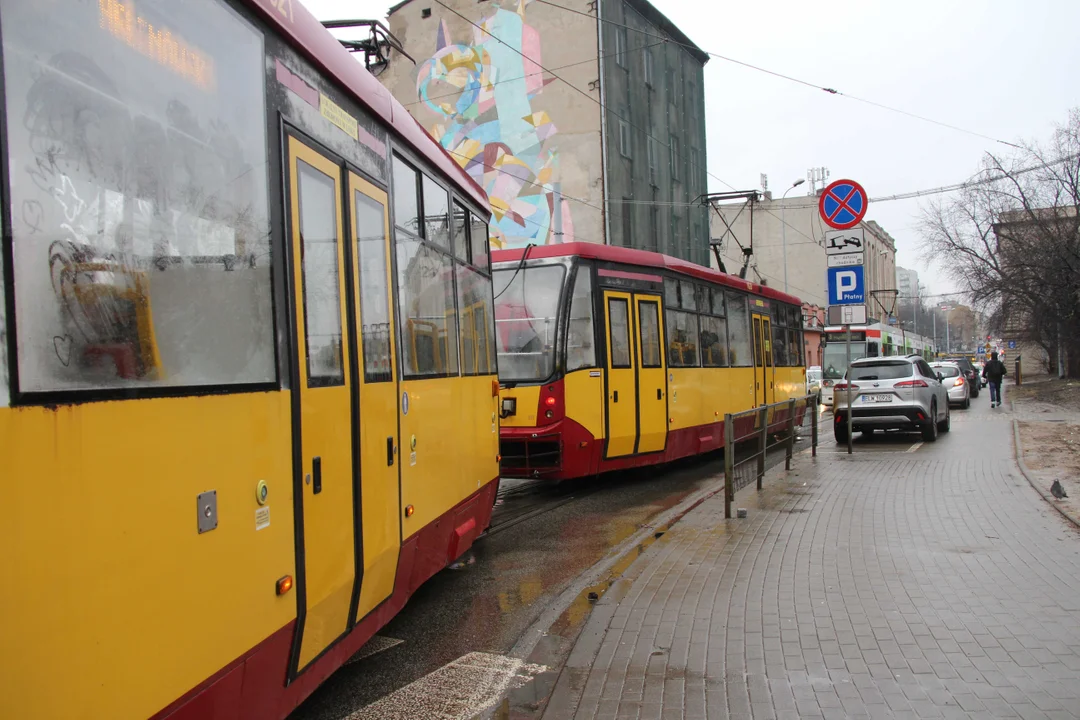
[[927, 584]]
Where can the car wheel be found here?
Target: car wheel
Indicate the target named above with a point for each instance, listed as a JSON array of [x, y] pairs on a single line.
[[930, 428], [946, 424], [967, 402], [868, 432], [840, 432]]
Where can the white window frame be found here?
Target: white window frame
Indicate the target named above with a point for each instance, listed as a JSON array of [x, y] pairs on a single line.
[[675, 158], [620, 46], [625, 140], [650, 68], [653, 153]]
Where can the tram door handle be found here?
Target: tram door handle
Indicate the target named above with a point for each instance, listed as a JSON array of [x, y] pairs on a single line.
[[659, 394], [316, 473], [616, 399], [389, 451]]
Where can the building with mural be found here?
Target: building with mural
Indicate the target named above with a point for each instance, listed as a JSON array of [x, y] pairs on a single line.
[[579, 128]]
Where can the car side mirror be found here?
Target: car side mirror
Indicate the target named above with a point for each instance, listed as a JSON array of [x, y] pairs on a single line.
[[940, 377]]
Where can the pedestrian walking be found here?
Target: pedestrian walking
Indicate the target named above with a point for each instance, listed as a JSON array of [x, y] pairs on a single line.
[[994, 372]]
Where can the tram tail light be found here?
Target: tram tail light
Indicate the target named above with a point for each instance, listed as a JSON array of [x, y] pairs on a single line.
[[284, 585]]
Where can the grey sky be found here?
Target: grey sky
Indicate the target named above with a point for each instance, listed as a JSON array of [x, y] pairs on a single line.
[[997, 67]]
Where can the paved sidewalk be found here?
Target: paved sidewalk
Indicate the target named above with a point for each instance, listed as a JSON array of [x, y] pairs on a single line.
[[909, 580]]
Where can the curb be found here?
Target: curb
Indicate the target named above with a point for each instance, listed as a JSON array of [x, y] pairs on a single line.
[[1045, 494]]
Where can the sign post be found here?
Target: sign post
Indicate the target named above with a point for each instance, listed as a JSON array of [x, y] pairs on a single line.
[[842, 206]]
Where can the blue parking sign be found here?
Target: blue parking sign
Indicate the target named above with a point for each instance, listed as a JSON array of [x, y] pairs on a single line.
[[846, 286]]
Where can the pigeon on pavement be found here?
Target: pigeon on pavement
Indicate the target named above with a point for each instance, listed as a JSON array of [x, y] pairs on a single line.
[[1057, 491]]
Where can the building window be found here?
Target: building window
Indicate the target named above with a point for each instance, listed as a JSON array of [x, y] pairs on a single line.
[[654, 160], [628, 223], [649, 67], [624, 138], [676, 159], [654, 228], [620, 46], [138, 168]]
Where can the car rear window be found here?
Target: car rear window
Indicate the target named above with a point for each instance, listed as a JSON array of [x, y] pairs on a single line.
[[947, 370], [881, 371]]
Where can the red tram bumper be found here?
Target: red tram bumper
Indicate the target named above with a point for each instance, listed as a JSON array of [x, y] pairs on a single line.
[[560, 451]]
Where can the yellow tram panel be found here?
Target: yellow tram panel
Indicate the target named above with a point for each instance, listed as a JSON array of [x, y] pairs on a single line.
[[585, 400], [117, 578]]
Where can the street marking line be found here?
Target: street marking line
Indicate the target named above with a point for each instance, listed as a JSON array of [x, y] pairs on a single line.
[[458, 690], [375, 645], [914, 447]]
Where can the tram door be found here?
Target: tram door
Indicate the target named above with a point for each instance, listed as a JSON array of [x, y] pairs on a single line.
[[621, 380], [324, 490], [764, 390], [652, 375], [637, 375], [380, 528]]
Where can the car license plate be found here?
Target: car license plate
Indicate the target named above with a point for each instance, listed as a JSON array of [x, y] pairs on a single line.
[[877, 398]]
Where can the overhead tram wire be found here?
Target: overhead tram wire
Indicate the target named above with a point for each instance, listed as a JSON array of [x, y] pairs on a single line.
[[782, 76], [584, 93]]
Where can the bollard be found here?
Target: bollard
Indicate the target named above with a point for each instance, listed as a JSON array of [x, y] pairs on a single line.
[[791, 434], [729, 464], [1017, 378], [814, 426], [763, 444]]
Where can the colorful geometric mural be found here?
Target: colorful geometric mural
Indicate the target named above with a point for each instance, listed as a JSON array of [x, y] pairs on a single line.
[[485, 91]]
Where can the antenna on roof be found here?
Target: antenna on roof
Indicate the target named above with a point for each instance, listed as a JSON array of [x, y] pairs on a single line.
[[376, 47]]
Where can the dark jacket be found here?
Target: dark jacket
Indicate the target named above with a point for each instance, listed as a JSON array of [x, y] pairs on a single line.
[[994, 371]]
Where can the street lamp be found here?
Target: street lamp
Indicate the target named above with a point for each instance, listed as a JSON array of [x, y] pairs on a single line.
[[783, 225]]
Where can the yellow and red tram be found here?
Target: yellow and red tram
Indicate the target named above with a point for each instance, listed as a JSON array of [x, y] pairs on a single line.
[[247, 315], [611, 358]]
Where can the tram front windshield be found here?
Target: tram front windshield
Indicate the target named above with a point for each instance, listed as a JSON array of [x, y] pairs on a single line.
[[834, 362], [526, 310]]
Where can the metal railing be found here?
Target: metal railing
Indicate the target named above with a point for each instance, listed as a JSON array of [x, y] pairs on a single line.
[[739, 472]]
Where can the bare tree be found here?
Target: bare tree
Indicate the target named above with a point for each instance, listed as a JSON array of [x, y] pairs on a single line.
[[1011, 239]]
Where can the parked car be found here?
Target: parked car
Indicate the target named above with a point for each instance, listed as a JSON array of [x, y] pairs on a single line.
[[892, 393], [968, 369], [952, 377], [813, 379], [979, 365]]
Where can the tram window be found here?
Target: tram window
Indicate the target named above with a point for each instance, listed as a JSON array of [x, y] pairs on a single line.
[[649, 322], [780, 347], [461, 233], [140, 186], [322, 289], [671, 293], [682, 339], [718, 305], [701, 298], [580, 344], [478, 238], [527, 306], [475, 309], [429, 336], [620, 333], [686, 295], [406, 196], [740, 346], [436, 213], [370, 218], [795, 348], [713, 342]]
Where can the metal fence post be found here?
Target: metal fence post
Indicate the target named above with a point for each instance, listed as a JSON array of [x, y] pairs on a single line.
[[791, 434], [729, 464], [763, 444], [814, 426]]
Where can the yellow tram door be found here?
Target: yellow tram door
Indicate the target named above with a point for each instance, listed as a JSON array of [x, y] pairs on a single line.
[[759, 362], [769, 382], [324, 490], [652, 376], [621, 381], [379, 491]]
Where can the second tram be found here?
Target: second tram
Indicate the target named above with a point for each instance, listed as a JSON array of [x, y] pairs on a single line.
[[612, 358]]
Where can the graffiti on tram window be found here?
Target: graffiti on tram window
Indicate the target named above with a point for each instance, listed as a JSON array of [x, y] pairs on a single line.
[[141, 235], [485, 92]]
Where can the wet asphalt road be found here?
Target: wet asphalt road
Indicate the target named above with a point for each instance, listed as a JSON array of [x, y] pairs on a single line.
[[543, 536]]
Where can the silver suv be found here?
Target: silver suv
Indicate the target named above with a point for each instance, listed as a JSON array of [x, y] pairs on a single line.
[[892, 393]]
